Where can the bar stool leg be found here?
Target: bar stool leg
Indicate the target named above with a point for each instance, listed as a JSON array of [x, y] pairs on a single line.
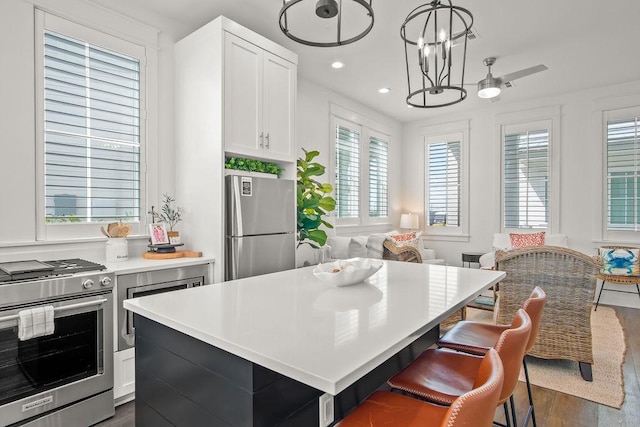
[[513, 411], [506, 416], [531, 411]]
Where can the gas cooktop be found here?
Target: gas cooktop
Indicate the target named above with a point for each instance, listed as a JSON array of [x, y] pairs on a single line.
[[32, 269]]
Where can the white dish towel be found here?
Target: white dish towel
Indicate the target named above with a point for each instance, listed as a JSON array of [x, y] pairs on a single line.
[[35, 322]]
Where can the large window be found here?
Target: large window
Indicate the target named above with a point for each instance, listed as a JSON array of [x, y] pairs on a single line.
[[347, 178], [529, 185], [443, 160], [526, 178], [361, 159], [378, 177], [92, 132], [623, 173], [92, 135], [446, 211]]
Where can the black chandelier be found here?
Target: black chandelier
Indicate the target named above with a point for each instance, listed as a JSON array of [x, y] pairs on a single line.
[[332, 13], [438, 33]]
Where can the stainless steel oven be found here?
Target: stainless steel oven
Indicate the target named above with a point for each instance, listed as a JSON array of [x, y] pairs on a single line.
[[149, 283], [65, 377]]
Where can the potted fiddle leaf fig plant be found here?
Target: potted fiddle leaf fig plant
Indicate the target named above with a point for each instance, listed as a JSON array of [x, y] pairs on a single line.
[[313, 201]]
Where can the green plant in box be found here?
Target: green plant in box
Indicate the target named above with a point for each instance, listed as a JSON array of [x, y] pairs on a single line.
[[252, 165], [313, 201]]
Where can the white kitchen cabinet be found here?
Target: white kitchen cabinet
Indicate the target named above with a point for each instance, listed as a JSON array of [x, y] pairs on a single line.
[[124, 375], [259, 101], [231, 85]]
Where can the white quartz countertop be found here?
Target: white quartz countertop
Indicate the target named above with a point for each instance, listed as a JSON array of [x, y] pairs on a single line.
[[325, 337], [139, 264]]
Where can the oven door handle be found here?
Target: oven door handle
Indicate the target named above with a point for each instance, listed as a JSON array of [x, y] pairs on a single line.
[[59, 309]]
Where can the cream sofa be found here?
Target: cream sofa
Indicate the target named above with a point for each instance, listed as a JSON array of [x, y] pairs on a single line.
[[501, 241], [343, 247]]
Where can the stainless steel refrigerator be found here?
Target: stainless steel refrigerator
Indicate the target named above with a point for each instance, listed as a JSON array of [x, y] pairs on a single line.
[[261, 226]]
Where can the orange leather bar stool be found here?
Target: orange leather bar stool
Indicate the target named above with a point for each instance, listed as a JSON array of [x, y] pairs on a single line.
[[474, 408], [441, 375], [477, 338]]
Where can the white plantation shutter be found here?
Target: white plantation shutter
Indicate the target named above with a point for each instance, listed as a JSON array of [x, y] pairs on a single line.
[[444, 183], [378, 178], [623, 174], [526, 179], [347, 179], [92, 132]]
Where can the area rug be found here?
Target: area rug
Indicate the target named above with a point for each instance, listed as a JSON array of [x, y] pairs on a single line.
[[609, 350]]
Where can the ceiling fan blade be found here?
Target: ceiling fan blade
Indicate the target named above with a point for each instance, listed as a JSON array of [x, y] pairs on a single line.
[[522, 73]]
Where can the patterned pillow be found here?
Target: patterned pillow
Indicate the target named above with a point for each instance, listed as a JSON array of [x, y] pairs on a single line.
[[527, 239], [621, 262], [406, 239]]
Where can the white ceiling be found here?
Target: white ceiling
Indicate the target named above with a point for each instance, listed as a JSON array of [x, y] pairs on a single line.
[[585, 44]]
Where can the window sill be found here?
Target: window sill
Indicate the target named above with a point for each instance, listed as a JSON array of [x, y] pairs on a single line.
[[446, 237]]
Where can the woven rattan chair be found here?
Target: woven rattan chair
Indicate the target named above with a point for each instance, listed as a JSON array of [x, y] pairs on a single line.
[[569, 280], [615, 279], [393, 252]]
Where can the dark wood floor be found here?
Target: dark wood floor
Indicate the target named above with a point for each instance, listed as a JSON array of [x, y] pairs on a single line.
[[553, 409]]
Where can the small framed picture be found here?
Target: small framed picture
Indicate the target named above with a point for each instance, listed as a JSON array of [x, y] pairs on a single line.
[[158, 234]]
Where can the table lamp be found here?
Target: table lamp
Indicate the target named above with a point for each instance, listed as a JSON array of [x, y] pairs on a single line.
[[409, 221]]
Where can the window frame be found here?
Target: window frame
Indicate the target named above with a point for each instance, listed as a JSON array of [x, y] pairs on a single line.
[[606, 114], [532, 120], [340, 116], [46, 21], [449, 132]]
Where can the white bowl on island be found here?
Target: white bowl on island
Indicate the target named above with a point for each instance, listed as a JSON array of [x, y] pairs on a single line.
[[347, 272]]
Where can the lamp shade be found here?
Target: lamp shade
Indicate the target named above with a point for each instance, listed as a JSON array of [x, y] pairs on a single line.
[[409, 221]]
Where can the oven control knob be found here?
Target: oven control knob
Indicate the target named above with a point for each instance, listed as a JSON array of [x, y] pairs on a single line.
[[105, 281], [87, 284]]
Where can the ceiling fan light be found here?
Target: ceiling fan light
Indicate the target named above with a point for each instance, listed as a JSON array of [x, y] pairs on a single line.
[[488, 88]]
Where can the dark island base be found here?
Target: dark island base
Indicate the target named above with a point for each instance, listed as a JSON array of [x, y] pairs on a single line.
[[182, 381]]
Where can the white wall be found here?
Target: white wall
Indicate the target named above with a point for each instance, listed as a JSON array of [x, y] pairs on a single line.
[[313, 133], [17, 121], [580, 154]]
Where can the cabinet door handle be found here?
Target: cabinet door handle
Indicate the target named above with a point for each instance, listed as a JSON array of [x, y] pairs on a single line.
[[267, 141], [261, 139]]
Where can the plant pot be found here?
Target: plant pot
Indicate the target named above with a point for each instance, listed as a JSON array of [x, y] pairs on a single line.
[[174, 237]]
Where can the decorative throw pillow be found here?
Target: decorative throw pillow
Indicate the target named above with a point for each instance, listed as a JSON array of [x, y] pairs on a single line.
[[527, 239], [358, 247], [621, 262], [406, 239], [374, 245], [339, 246]]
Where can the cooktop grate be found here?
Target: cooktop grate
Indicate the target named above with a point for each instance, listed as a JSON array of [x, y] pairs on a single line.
[[64, 266]]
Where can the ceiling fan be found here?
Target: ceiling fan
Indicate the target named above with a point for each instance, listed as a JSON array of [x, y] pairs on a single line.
[[490, 86]]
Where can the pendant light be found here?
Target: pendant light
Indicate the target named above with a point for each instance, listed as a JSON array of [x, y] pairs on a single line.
[[350, 19], [435, 45]]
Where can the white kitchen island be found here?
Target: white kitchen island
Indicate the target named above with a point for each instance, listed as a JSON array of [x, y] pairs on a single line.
[[261, 351]]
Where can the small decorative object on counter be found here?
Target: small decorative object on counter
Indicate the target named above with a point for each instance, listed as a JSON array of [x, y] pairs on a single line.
[[169, 216], [117, 245]]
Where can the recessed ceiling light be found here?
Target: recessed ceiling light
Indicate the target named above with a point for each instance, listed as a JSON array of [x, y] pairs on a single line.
[[337, 64], [384, 90]]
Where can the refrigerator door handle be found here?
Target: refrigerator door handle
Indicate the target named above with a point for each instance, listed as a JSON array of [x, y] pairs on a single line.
[[235, 260], [238, 208]]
